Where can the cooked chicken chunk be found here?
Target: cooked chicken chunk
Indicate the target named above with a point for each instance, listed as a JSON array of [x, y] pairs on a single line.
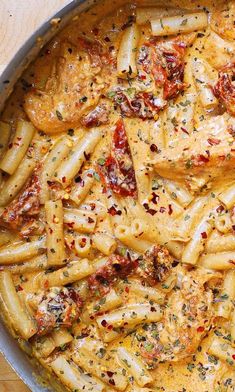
[[206, 152], [187, 318], [79, 77], [218, 51], [222, 21]]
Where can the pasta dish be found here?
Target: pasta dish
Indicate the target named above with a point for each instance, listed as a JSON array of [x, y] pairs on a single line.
[[117, 200]]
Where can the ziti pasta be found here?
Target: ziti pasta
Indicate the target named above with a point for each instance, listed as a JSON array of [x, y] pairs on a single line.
[[117, 200]]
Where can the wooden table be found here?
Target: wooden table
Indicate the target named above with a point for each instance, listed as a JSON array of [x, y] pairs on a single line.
[[18, 19]]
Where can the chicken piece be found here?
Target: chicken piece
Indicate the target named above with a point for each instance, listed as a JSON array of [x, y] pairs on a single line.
[[156, 265], [21, 212], [79, 78], [187, 318], [218, 51], [209, 151], [116, 267], [58, 307], [222, 21]]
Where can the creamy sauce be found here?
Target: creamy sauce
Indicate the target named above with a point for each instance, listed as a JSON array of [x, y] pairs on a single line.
[[183, 147]]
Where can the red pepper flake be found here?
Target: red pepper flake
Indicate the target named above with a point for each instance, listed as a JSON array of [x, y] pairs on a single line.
[[19, 288], [110, 374], [127, 289], [70, 225], [233, 227], [10, 146], [152, 309], [90, 220], [153, 148], [155, 198], [200, 329], [104, 323], [64, 179], [170, 210], [213, 141], [233, 356], [204, 235], [110, 327], [162, 210], [151, 211], [113, 211], [111, 381], [220, 209]]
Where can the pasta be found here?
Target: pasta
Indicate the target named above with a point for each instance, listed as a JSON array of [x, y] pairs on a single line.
[[135, 366], [4, 136], [18, 253], [14, 183], [16, 151], [179, 24], [58, 153], [22, 322], [55, 235], [70, 167], [126, 60], [117, 201]]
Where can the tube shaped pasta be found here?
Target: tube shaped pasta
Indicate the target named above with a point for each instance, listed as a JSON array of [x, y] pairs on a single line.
[[44, 346], [55, 233], [135, 366], [38, 263], [195, 246], [14, 183], [179, 24], [82, 245], [97, 366], [72, 378], [106, 303], [5, 131], [17, 149], [176, 191], [220, 243], [227, 296], [18, 253], [22, 322], [227, 197], [205, 76], [183, 227], [221, 349], [73, 271], [123, 234], [70, 167], [233, 328], [56, 155], [61, 337], [104, 243], [80, 220], [218, 261], [144, 14], [130, 315], [149, 293], [81, 188], [223, 223], [126, 59]]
